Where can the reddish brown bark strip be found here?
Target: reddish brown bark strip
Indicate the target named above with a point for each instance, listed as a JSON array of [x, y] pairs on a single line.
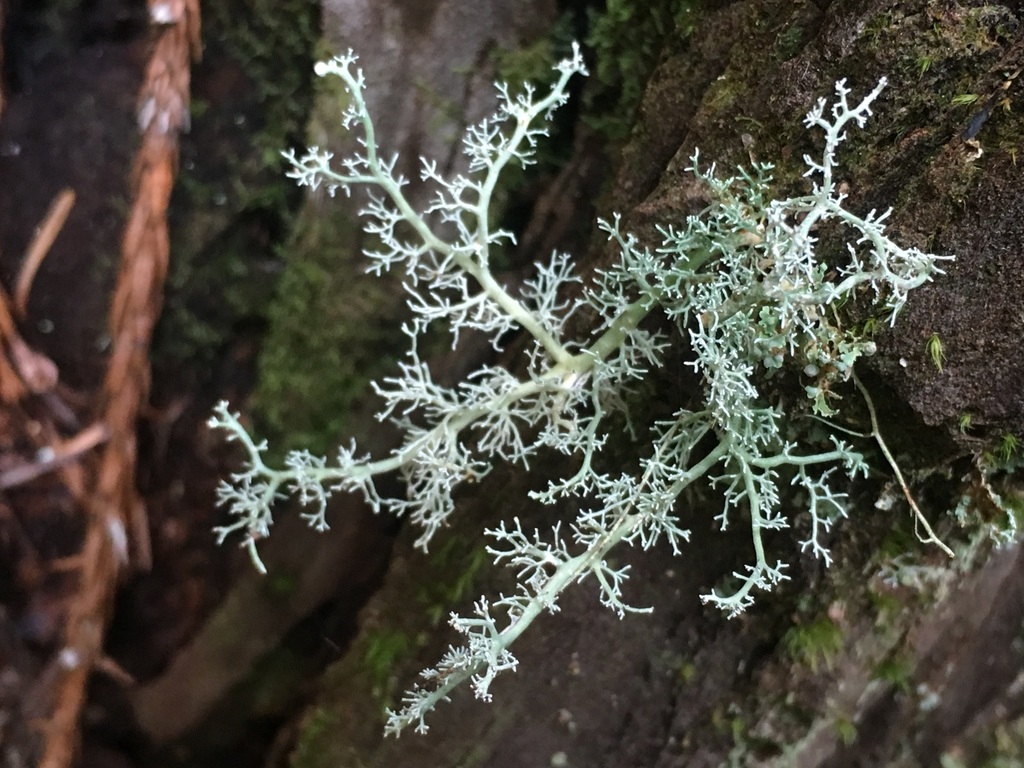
[[116, 534], [45, 234]]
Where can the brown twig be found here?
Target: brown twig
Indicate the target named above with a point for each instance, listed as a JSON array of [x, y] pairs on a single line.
[[26, 370], [41, 243], [115, 671], [54, 457]]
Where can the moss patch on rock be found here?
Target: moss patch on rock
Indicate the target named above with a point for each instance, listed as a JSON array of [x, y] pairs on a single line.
[[232, 205], [332, 332]]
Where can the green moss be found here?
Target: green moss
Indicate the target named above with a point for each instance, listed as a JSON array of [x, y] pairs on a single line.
[[280, 583], [790, 41], [453, 567], [329, 337], [462, 562], [232, 203], [384, 651], [1007, 448], [1003, 454], [274, 680], [628, 38], [884, 605], [530, 64], [724, 93], [318, 724], [330, 324], [814, 644], [270, 690], [273, 41], [846, 730], [964, 422], [897, 672], [936, 352]]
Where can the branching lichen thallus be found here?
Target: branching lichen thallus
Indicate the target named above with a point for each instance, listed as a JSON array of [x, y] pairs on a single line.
[[741, 281]]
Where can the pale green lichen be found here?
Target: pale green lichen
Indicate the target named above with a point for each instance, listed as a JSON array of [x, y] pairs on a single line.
[[741, 282]]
